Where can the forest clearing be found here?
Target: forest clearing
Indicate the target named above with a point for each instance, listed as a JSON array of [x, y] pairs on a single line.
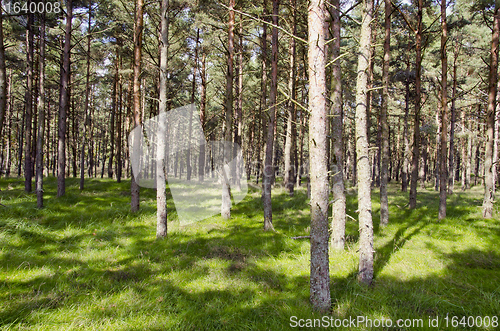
[[85, 263]]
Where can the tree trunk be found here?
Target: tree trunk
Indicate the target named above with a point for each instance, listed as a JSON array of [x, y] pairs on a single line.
[[320, 278], [416, 132], [86, 106], [3, 79], [28, 166], [289, 175], [443, 166], [138, 29], [490, 118], [384, 203], [226, 195], [203, 105], [365, 274], [161, 187], [64, 103], [451, 162], [337, 153], [268, 165], [406, 153], [41, 114]]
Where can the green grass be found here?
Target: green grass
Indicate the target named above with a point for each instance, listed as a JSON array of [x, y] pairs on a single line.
[[84, 262]]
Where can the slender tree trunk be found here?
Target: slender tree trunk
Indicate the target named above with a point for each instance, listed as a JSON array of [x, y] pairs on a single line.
[[64, 103], [239, 113], [87, 100], [337, 164], [365, 274], [416, 132], [406, 153], [490, 118], [114, 110], [226, 195], [203, 105], [3, 79], [320, 279], [193, 92], [161, 187], [451, 162], [384, 203], [268, 166], [119, 119], [41, 114], [138, 29], [289, 179], [28, 166], [263, 87], [443, 166]]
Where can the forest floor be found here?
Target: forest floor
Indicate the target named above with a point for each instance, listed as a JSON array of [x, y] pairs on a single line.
[[84, 262]]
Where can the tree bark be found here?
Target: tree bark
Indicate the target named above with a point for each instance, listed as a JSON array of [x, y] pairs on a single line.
[[384, 203], [289, 175], [268, 165], [64, 103], [451, 161], [416, 132], [490, 117], [28, 165], [41, 114], [443, 166], [226, 195], [337, 239], [203, 105], [320, 279], [3, 79], [161, 187], [87, 101], [365, 275], [138, 29]]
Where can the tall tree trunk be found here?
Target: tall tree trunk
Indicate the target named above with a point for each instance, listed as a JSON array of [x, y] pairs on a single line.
[[416, 132], [138, 29], [289, 175], [28, 166], [114, 110], [64, 103], [119, 119], [3, 79], [268, 166], [406, 153], [384, 203], [193, 92], [490, 118], [443, 166], [263, 90], [41, 114], [337, 153], [365, 274], [451, 162], [203, 105], [161, 187], [86, 122], [239, 113], [320, 279], [226, 195]]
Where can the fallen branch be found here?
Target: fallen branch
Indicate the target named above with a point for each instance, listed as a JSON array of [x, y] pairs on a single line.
[[301, 237]]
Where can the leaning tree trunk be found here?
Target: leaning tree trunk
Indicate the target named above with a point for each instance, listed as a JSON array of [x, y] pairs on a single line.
[[443, 166], [337, 239], [320, 278], [161, 187], [64, 103], [490, 118], [41, 118], [384, 203], [268, 165], [365, 274], [416, 132], [138, 29]]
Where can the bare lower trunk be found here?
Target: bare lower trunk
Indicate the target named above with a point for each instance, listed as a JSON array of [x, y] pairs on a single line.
[[443, 166], [384, 203], [337, 239], [490, 119], [320, 279], [365, 274], [29, 106], [41, 118]]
